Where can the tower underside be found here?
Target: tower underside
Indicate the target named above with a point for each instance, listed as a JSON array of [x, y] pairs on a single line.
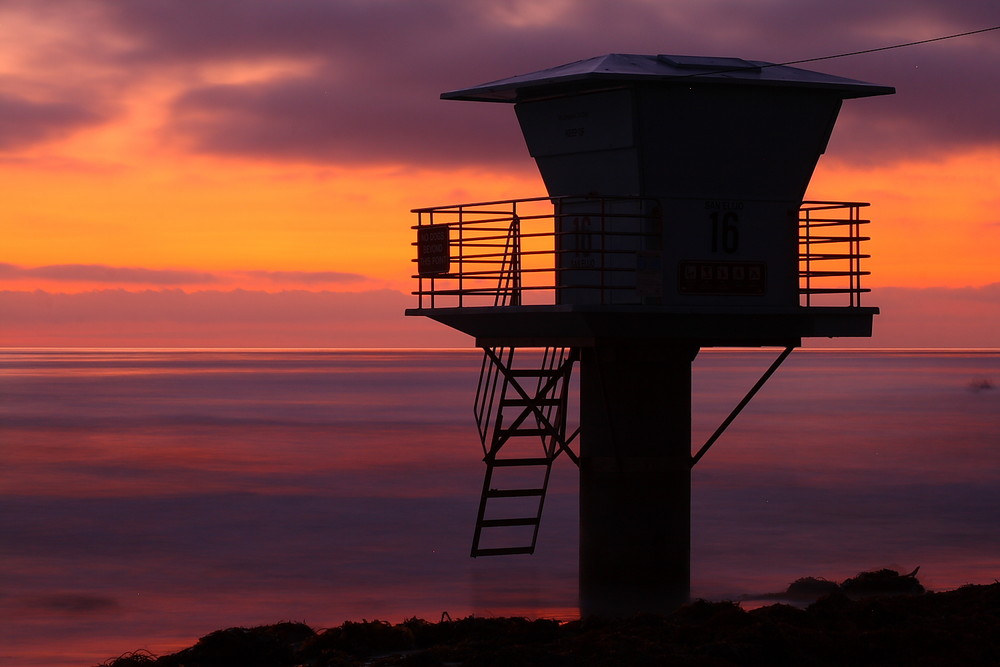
[[581, 326]]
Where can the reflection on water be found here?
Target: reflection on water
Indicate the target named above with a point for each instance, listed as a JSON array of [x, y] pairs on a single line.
[[150, 497]]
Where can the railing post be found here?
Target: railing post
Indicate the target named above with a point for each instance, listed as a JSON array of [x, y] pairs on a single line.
[[855, 232], [515, 265], [420, 278], [807, 256], [461, 254], [420, 221]]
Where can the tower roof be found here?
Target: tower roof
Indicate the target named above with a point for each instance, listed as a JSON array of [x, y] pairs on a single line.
[[610, 69]]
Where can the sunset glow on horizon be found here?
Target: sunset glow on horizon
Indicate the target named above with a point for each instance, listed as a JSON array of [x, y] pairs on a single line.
[[262, 150]]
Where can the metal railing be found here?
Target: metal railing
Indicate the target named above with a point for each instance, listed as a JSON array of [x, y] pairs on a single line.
[[830, 251], [529, 251]]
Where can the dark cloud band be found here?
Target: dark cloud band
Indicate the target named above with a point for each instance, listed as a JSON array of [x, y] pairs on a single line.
[[117, 275], [24, 122], [106, 274], [366, 77]]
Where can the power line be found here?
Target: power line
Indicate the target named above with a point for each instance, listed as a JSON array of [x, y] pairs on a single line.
[[851, 53], [886, 48]]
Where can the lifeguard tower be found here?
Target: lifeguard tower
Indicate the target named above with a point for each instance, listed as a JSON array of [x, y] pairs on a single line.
[[674, 221]]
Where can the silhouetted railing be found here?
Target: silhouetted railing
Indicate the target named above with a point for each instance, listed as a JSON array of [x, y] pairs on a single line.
[[830, 251], [533, 252]]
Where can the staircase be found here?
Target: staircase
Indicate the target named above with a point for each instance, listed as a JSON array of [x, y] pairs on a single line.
[[521, 414]]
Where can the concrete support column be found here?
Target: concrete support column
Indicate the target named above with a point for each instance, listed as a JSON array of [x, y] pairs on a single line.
[[635, 476]]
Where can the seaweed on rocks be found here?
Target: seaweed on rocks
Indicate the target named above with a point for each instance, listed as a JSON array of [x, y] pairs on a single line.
[[883, 582], [810, 588], [138, 658], [924, 629], [275, 645]]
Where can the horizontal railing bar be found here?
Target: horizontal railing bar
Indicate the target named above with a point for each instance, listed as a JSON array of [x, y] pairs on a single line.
[[811, 205], [501, 238], [831, 239], [807, 205], [487, 273], [493, 289], [470, 291], [466, 208], [476, 243], [834, 290], [554, 198], [832, 222], [501, 290], [832, 256], [505, 216], [817, 221]]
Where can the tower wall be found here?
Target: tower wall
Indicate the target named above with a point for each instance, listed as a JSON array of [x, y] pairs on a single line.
[[635, 477]]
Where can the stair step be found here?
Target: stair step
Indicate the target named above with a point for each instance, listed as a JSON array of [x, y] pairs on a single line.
[[507, 463], [497, 523], [514, 493], [528, 402], [512, 432], [533, 373], [502, 551]]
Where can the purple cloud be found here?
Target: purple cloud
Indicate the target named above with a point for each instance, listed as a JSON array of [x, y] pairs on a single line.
[[375, 97], [118, 275], [308, 118], [24, 122], [106, 274], [366, 88], [259, 29]]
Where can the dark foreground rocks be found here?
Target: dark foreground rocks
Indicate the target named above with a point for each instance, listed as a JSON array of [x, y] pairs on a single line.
[[960, 627]]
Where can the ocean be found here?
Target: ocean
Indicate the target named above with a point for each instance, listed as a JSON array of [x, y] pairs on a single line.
[[149, 497]]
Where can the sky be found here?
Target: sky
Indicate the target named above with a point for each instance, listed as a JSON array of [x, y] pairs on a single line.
[[241, 172]]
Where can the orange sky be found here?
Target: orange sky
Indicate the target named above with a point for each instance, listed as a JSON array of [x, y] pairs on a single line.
[[935, 222], [257, 148]]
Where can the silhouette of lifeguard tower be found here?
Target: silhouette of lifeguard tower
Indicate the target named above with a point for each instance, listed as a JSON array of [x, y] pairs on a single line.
[[674, 221]]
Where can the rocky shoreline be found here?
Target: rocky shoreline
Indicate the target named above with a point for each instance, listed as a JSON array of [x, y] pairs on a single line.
[[888, 621]]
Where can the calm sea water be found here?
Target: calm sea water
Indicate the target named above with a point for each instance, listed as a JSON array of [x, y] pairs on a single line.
[[148, 497]]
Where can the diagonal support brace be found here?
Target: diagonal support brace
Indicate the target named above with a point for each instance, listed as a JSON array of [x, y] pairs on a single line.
[[742, 404]]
